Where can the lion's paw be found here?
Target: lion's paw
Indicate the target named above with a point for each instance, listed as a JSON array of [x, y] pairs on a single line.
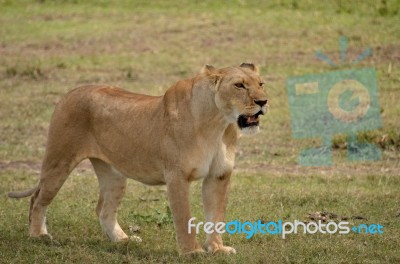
[[221, 249], [46, 238]]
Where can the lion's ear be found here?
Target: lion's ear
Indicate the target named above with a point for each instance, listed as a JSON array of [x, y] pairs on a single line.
[[212, 74], [250, 66], [208, 69]]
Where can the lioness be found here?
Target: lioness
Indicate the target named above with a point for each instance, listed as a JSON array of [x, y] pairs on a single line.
[[188, 134]]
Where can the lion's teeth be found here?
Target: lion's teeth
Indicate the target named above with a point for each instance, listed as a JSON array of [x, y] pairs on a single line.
[[251, 119]]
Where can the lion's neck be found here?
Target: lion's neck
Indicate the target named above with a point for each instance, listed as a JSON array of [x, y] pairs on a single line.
[[208, 118], [191, 104]]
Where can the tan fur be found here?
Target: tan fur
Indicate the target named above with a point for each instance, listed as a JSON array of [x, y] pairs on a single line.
[[187, 134]]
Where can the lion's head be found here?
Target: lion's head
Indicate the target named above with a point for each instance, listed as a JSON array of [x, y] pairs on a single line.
[[239, 95]]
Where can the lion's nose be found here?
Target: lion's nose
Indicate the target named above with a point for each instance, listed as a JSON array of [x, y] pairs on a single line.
[[260, 102]]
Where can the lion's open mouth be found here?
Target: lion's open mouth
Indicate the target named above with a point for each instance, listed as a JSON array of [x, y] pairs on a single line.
[[248, 121]]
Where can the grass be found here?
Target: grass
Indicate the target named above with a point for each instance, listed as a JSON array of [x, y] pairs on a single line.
[[50, 47], [75, 226]]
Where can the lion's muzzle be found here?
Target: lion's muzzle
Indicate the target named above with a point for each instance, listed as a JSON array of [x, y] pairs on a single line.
[[249, 120]]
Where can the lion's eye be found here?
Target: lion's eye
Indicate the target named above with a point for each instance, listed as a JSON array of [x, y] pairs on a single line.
[[261, 84], [240, 85]]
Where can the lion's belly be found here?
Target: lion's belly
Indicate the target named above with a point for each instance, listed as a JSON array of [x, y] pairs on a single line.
[[213, 162], [154, 178], [149, 176]]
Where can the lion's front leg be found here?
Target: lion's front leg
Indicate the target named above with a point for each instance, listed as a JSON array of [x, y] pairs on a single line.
[[215, 192], [178, 196]]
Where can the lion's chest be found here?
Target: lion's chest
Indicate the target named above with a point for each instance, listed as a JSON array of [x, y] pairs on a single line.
[[212, 162]]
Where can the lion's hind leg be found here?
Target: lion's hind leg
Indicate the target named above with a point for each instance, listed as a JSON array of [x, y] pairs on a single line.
[[112, 188], [53, 175]]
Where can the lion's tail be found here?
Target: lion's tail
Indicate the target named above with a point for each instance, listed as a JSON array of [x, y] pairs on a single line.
[[22, 194]]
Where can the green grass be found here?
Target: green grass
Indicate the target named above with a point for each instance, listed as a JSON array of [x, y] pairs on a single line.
[[50, 47], [74, 224]]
